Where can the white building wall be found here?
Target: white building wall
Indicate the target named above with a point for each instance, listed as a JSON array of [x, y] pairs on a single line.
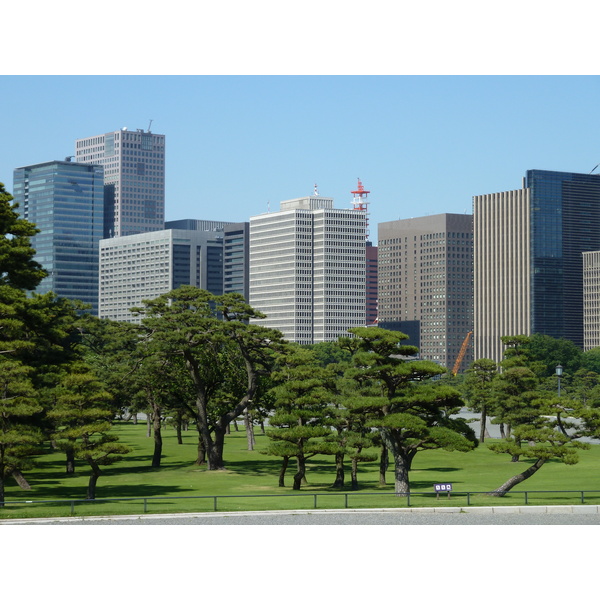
[[141, 267], [308, 269]]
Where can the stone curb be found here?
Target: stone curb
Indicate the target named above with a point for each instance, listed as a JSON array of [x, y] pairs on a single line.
[[559, 509]]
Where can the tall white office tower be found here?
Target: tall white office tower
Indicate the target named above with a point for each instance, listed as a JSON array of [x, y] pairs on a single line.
[[308, 269], [134, 178]]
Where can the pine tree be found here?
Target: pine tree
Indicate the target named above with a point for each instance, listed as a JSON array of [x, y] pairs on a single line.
[[83, 417]]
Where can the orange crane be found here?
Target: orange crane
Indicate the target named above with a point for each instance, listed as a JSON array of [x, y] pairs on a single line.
[[461, 354]]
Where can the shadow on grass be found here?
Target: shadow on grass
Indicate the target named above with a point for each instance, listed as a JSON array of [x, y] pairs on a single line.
[[79, 492]]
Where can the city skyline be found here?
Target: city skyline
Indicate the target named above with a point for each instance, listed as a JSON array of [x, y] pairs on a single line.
[[237, 146]]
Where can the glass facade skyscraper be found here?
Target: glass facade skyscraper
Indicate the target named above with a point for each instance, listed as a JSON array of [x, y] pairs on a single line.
[[66, 202], [565, 222]]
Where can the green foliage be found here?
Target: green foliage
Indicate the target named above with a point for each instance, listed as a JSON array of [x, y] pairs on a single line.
[[19, 438], [410, 412], [223, 356], [18, 269], [549, 352], [302, 420]]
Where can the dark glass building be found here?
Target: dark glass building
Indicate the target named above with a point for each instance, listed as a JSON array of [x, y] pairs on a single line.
[[66, 201], [565, 222]]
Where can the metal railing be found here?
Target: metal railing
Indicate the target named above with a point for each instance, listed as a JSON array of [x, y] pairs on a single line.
[[403, 499]]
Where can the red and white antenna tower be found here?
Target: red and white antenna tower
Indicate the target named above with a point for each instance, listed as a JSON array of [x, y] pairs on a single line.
[[361, 202]]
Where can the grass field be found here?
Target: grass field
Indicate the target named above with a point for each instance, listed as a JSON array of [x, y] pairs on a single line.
[[180, 486]]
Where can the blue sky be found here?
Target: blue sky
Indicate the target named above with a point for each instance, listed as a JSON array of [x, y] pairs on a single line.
[[238, 145]]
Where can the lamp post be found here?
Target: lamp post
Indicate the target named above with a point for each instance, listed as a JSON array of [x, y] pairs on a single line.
[[559, 372]]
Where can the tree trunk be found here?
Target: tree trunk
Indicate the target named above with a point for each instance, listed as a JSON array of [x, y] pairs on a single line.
[[214, 451], [178, 427], [526, 474], [70, 461], [284, 464], [1, 486], [249, 430], [235, 425], [483, 421], [384, 462], [148, 425], [135, 419], [201, 458], [502, 433], [339, 471], [299, 476], [18, 477], [401, 470], [156, 429], [354, 474], [91, 494]]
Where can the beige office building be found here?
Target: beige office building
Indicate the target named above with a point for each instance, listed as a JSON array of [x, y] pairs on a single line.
[[591, 300], [502, 299], [426, 283]]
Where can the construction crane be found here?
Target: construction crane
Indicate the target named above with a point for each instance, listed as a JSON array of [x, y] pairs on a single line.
[[461, 354]]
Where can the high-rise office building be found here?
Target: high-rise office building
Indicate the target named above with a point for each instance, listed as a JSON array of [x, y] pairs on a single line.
[[372, 291], [307, 269], [146, 265], [65, 200], [591, 300], [528, 260], [236, 249], [134, 178], [426, 283]]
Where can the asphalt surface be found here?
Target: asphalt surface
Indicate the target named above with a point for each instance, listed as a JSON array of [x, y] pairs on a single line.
[[383, 517]]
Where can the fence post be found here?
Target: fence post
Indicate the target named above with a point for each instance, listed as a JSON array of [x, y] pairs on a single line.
[[525, 497], [468, 498], [582, 494], [215, 503], [72, 507], [145, 505], [345, 500], [408, 499], [315, 498]]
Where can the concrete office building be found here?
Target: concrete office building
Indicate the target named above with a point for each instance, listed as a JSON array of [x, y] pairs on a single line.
[[65, 200], [307, 269], [528, 260], [591, 300], [134, 178], [426, 283], [372, 291], [146, 265]]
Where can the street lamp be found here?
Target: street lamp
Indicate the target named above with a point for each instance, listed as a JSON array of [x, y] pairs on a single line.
[[559, 372]]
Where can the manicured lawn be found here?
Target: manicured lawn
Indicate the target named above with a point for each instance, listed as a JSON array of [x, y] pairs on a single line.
[[179, 485]]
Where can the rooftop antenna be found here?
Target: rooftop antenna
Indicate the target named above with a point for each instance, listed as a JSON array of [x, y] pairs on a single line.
[[360, 202], [316, 190], [149, 125], [598, 165], [68, 158]]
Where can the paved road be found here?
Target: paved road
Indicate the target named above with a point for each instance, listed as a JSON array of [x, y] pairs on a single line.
[[414, 517]]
